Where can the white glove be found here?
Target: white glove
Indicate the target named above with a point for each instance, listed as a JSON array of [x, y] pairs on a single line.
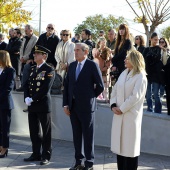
[[28, 101]]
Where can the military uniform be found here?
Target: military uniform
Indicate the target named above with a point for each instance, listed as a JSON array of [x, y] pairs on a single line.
[[38, 89]]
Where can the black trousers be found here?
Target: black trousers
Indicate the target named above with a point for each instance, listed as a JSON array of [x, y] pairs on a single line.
[[167, 89], [127, 163], [36, 121], [83, 128], [5, 121]]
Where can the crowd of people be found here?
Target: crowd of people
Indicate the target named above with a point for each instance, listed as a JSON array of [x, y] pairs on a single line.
[[121, 70]]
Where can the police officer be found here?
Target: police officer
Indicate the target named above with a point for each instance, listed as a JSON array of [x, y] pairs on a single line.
[[37, 97]]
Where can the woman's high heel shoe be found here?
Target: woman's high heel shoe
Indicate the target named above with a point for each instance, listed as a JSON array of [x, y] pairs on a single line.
[[5, 154]]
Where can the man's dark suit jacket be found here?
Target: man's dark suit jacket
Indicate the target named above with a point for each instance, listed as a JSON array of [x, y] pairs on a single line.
[[3, 45], [6, 85], [83, 90], [38, 87]]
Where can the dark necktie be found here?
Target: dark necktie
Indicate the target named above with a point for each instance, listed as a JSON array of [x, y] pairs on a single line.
[[78, 70]]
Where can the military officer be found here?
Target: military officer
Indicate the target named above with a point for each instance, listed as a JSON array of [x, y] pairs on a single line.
[[37, 97]]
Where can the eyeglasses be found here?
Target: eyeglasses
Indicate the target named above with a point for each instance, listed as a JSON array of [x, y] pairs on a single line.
[[61, 34], [161, 42], [65, 34], [50, 28], [136, 38]]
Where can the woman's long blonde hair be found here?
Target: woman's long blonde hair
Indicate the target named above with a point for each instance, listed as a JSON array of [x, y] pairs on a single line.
[[137, 61], [5, 59]]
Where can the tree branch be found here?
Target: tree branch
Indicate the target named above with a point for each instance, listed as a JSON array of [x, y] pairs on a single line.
[[165, 19], [164, 6], [151, 11], [147, 10], [158, 7], [132, 8], [166, 11]]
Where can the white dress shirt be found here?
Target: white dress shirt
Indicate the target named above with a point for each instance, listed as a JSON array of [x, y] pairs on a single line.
[[40, 65]]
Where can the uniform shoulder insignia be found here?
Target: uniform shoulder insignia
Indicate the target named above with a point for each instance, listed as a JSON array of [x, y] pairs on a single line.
[[32, 67]]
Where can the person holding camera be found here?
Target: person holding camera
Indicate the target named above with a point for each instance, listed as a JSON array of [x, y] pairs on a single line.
[[154, 67], [122, 46]]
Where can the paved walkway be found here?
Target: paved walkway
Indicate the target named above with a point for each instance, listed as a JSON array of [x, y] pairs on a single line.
[[63, 157]]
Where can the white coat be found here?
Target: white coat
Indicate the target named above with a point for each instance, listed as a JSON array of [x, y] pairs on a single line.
[[65, 54], [128, 94]]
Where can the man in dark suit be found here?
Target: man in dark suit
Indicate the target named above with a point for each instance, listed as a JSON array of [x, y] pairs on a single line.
[[82, 85], [3, 44], [37, 97]]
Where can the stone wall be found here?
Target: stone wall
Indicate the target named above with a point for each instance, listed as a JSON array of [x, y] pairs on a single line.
[[155, 127]]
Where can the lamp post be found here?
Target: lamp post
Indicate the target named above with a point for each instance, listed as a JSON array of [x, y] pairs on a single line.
[[40, 19]]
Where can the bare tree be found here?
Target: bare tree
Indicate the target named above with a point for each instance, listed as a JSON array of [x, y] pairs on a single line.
[[152, 13]]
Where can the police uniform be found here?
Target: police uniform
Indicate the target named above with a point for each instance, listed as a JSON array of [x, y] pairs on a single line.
[[38, 89]]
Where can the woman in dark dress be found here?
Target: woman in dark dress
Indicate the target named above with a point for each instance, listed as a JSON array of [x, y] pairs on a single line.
[[7, 76], [154, 67], [122, 46], [139, 43]]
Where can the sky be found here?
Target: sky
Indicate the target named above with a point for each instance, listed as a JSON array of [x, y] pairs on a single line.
[[66, 14]]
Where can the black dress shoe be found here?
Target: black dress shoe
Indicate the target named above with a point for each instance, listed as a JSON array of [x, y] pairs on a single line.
[[32, 158], [87, 168], [25, 110], [77, 167], [5, 154], [44, 162]]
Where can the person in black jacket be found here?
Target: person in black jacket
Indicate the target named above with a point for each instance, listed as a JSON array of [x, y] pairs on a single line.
[[122, 46], [37, 98], [154, 68], [3, 44], [7, 76], [50, 41], [139, 43], [14, 48], [85, 35]]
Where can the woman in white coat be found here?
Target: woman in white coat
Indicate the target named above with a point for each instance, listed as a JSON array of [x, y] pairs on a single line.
[[64, 53], [126, 102]]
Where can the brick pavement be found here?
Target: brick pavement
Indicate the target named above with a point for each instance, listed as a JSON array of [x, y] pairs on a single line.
[[63, 157]]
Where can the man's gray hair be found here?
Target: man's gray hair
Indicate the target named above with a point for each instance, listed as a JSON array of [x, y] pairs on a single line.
[[83, 46], [2, 36], [30, 27], [112, 29], [11, 29]]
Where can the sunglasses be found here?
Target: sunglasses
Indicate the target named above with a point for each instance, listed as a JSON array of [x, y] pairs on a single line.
[[50, 28], [136, 38], [61, 34], [161, 42], [65, 34]]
